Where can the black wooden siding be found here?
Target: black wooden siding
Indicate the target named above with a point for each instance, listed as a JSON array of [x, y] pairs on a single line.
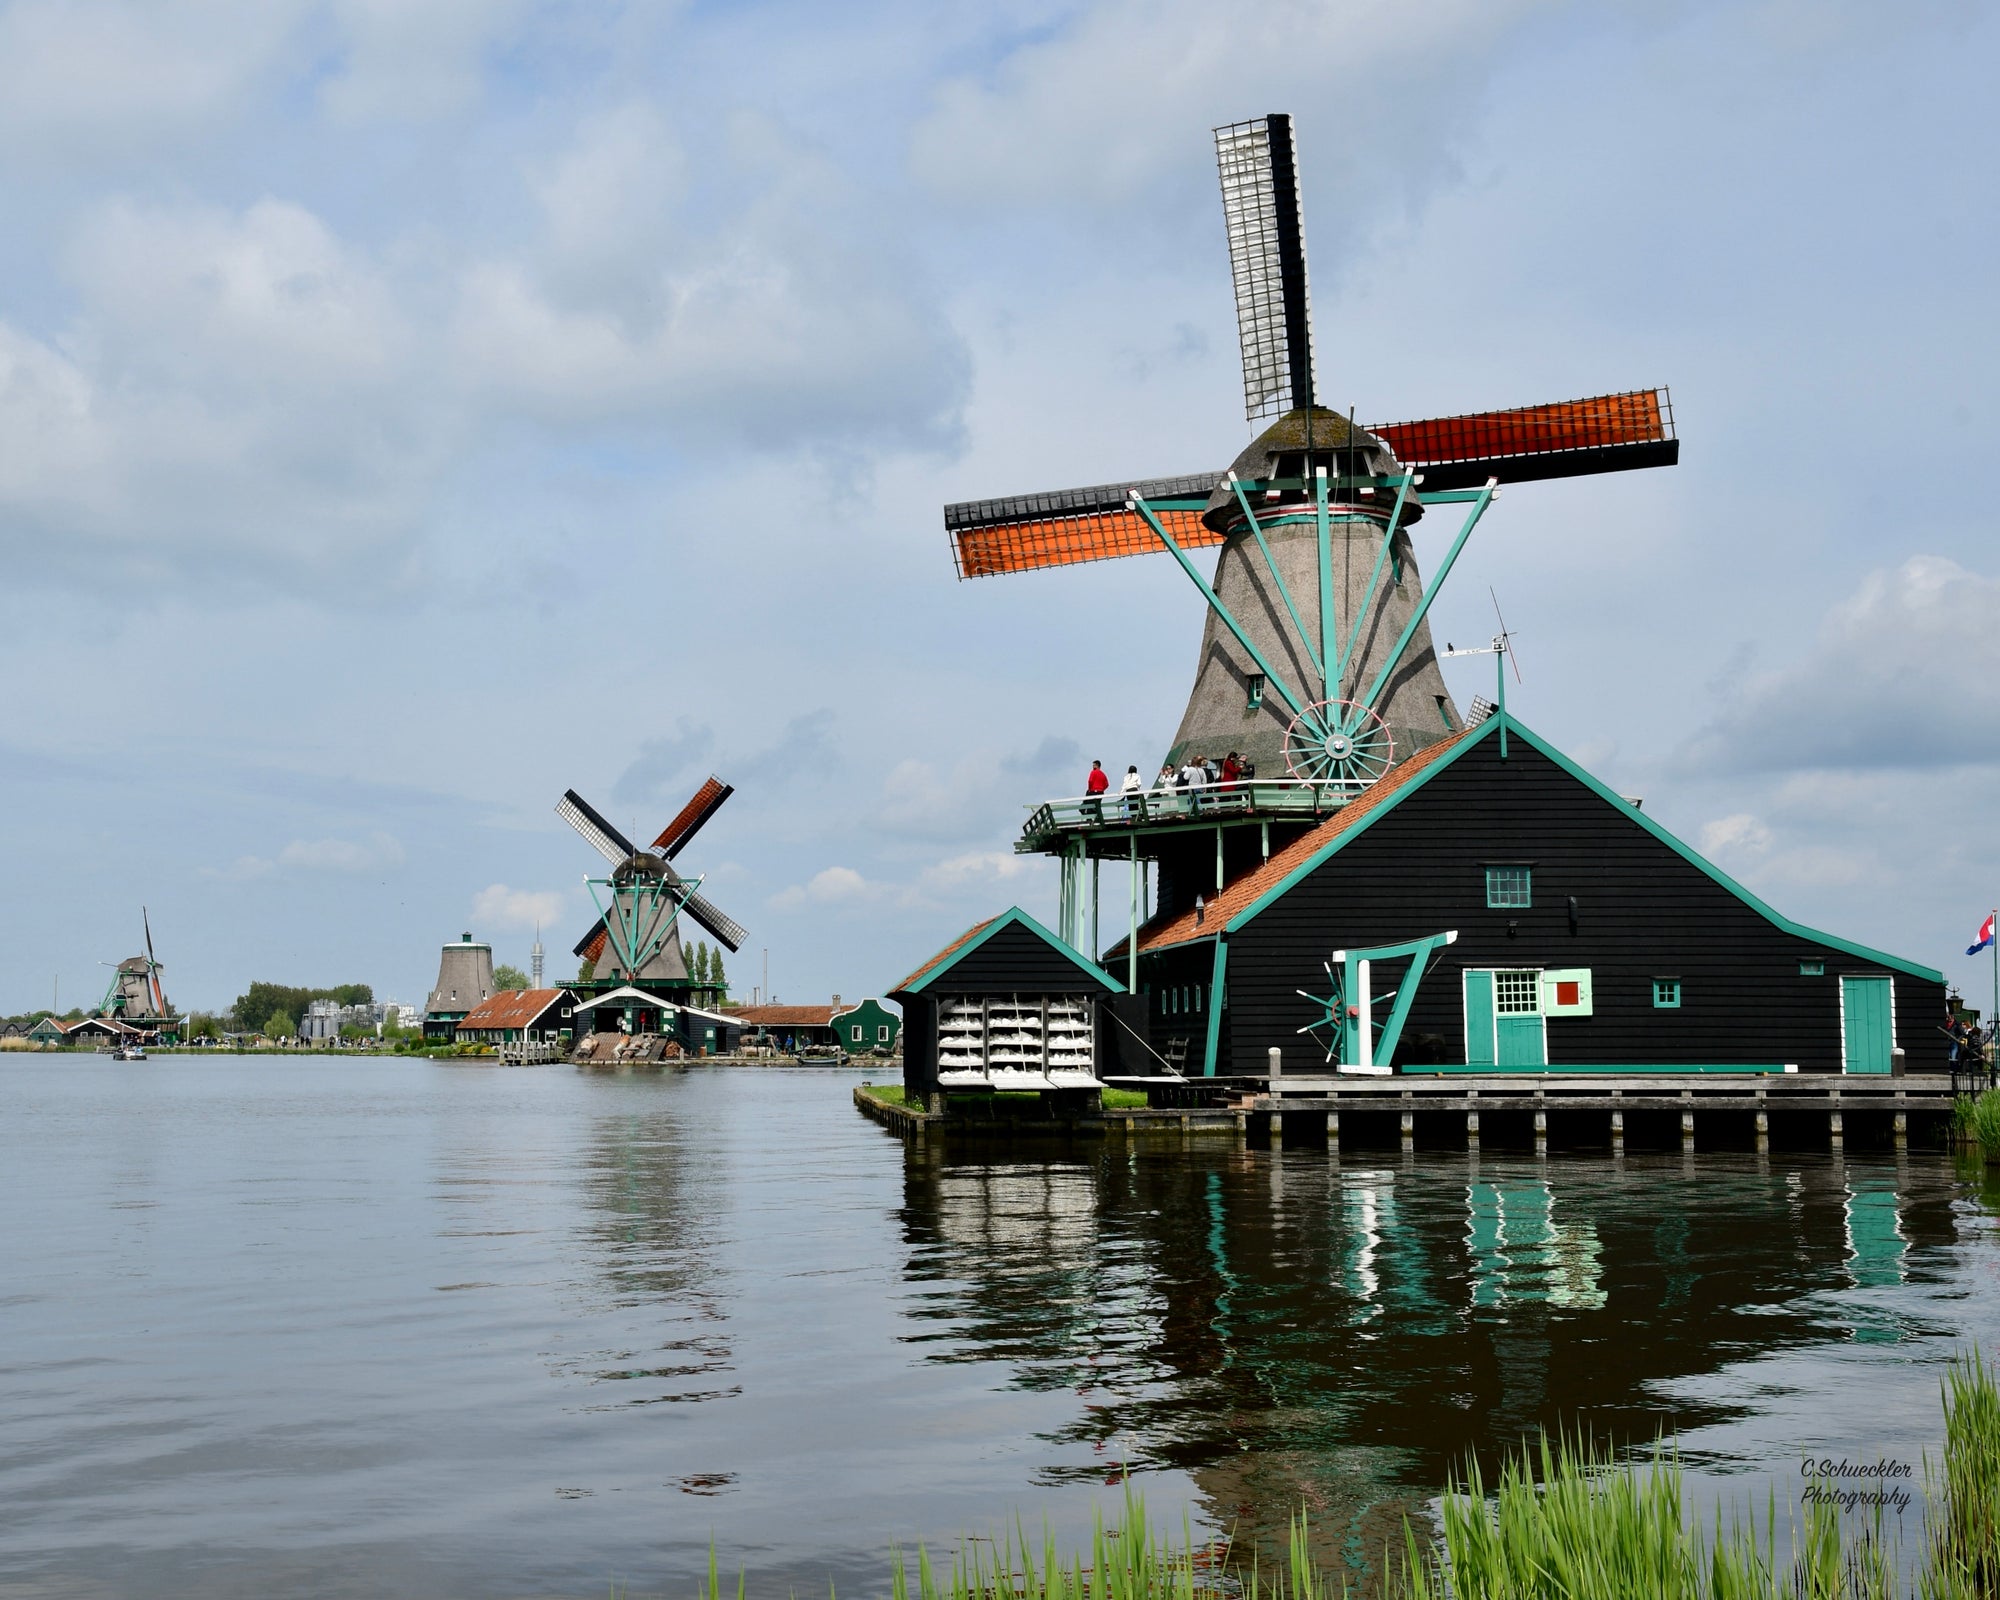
[[1643, 911]]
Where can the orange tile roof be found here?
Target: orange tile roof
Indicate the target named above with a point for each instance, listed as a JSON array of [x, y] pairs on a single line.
[[511, 1008], [956, 945], [1239, 896], [785, 1016]]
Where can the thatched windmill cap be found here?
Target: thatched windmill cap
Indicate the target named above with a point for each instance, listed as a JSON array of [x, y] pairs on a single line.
[[1307, 430]]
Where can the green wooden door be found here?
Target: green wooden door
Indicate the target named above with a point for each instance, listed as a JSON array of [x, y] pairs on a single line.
[[1520, 1039], [1479, 1050], [1867, 1029], [1517, 1022]]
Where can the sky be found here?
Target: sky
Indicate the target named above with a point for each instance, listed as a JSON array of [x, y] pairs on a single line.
[[410, 409]]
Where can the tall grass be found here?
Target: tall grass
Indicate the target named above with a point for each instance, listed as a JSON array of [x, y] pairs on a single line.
[[1986, 1123], [1964, 1511], [1566, 1521]]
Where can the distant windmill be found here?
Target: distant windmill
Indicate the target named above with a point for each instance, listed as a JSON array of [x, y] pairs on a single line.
[[637, 935], [136, 995], [1316, 659]]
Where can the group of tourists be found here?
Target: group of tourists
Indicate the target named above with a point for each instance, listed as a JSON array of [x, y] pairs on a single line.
[[1967, 1049], [1193, 776]]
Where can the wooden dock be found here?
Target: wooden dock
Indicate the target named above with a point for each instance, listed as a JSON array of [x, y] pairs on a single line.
[[1718, 1111], [1460, 1112]]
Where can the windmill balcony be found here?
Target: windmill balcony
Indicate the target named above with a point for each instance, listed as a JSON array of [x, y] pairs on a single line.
[[1152, 809]]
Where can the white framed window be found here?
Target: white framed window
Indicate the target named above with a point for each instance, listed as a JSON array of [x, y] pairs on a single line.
[[882, 1033]]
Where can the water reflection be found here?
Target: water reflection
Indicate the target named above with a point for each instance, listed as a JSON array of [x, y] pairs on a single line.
[[650, 1243], [1288, 1327]]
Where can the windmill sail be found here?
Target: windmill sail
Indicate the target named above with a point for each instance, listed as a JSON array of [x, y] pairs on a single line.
[[1267, 261], [706, 802], [606, 840], [1570, 439], [1023, 532]]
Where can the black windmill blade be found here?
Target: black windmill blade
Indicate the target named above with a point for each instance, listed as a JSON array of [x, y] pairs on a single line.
[[726, 928], [1267, 263], [606, 840]]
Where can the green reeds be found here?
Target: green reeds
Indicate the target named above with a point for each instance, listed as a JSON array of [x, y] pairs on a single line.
[[1566, 1521], [1986, 1123], [1964, 1513], [1134, 1563]]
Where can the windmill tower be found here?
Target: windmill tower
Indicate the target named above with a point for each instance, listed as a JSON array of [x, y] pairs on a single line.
[[1316, 662], [464, 981], [636, 942]]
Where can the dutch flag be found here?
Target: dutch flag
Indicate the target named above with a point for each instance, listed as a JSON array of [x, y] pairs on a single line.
[[1985, 937]]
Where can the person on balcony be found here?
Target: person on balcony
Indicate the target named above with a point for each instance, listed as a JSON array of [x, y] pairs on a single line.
[[1194, 779], [1131, 789], [1232, 770], [1093, 789]]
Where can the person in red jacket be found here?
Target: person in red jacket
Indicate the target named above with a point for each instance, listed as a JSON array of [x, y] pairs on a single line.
[[1094, 787]]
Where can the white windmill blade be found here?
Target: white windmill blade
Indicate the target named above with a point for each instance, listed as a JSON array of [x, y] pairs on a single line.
[[606, 840], [1267, 263]]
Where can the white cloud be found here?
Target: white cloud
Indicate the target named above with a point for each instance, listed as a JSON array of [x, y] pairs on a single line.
[[376, 853], [413, 58], [941, 884], [832, 886], [104, 76], [778, 320], [1905, 674], [379, 852], [1119, 99], [1740, 833], [241, 396], [498, 906]]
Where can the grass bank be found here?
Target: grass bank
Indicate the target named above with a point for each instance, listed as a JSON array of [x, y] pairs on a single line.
[[1114, 1099]]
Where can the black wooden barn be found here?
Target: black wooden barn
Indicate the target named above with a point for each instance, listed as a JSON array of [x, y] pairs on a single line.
[[1010, 1006], [1588, 938]]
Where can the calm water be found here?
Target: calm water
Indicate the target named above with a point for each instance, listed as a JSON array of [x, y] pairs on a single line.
[[409, 1328]]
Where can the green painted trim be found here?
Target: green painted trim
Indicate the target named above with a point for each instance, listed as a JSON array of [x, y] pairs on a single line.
[[1215, 997], [1009, 918], [1559, 1068], [1520, 730]]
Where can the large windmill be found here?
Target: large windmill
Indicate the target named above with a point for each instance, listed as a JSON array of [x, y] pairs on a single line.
[[1316, 663], [636, 938], [136, 996]]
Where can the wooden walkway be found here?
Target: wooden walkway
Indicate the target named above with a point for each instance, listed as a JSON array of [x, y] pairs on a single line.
[[1449, 1107]]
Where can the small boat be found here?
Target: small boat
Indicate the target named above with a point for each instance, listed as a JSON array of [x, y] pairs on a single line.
[[129, 1052]]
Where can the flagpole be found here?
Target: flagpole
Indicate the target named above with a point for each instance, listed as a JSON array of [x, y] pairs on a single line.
[[1993, 1022]]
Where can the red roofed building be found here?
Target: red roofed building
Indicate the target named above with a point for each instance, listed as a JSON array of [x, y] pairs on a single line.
[[520, 1015]]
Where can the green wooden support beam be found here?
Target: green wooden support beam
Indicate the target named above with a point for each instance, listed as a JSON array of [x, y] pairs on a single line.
[[1272, 677], [1284, 593], [1336, 688], [1328, 623], [1480, 501], [1215, 994]]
